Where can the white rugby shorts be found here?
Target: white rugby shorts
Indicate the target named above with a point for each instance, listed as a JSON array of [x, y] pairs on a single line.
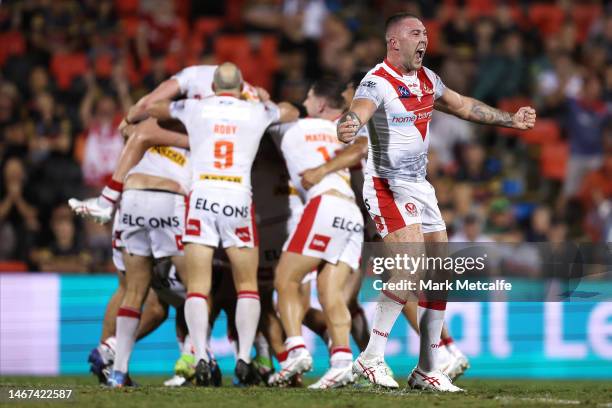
[[331, 228], [394, 204], [217, 214], [151, 223], [116, 243]]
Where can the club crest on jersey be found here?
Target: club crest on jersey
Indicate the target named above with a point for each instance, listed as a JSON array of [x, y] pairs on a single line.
[[411, 208], [403, 92]]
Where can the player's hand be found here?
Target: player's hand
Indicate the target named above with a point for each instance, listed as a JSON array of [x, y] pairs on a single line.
[[263, 95], [524, 118], [311, 177], [347, 128]]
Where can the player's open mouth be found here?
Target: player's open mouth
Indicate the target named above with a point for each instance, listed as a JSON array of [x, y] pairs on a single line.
[[420, 53]]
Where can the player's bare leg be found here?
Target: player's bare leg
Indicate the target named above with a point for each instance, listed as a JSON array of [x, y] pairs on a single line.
[[289, 274], [359, 324], [370, 364], [198, 262], [154, 313], [244, 262], [331, 282], [110, 314], [138, 281]]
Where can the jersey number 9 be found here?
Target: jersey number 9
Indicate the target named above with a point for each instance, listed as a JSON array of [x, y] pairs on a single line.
[[224, 154]]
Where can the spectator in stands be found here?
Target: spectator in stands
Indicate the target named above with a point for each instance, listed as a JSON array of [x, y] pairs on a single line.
[[47, 126], [502, 75], [585, 119], [501, 223], [65, 252], [18, 211], [596, 198], [471, 231], [540, 224], [102, 144]]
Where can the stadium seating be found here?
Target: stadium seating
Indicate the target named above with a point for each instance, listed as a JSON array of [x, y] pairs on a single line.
[[65, 67], [553, 160], [546, 131], [11, 43]]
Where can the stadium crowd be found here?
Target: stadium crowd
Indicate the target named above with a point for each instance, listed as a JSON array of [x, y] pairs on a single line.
[[70, 70]]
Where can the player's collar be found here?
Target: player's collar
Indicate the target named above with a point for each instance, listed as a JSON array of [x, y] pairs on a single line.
[[226, 94], [395, 70]]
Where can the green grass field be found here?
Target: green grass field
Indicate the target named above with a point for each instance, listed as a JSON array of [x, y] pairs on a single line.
[[480, 393]]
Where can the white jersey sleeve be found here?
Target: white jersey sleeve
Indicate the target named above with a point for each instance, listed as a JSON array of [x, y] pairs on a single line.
[[372, 88], [196, 81], [439, 86]]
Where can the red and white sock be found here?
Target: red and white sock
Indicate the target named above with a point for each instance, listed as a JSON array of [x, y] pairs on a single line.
[[248, 310], [127, 324], [388, 309], [341, 357], [430, 316], [110, 194], [282, 357], [196, 316], [294, 344]]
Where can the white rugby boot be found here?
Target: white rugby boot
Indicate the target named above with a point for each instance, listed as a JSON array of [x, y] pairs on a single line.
[[375, 371], [335, 377], [92, 208], [457, 365], [434, 381], [298, 361]]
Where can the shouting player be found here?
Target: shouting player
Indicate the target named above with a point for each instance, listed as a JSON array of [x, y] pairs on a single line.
[[328, 237], [224, 134], [399, 95]]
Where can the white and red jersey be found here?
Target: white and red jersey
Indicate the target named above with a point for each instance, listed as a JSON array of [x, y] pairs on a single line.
[[195, 82], [224, 135], [167, 162], [399, 139], [309, 143]]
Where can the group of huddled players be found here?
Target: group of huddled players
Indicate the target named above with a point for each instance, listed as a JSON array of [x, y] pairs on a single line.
[[187, 233]]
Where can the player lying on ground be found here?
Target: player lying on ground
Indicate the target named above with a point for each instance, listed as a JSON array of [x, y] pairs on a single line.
[[224, 133], [399, 95]]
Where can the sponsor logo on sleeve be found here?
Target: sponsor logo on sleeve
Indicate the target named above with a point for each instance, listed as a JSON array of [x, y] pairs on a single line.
[[368, 84]]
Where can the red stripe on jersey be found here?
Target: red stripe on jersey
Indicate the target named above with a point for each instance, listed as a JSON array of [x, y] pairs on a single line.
[[389, 212], [422, 106], [305, 225]]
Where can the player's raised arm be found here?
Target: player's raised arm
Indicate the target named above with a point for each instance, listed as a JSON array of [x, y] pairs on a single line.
[[287, 112], [476, 111], [160, 110], [359, 113]]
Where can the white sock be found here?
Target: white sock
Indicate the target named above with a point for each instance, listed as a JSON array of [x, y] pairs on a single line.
[[294, 344], [452, 347], [248, 310], [187, 346], [387, 310], [341, 357], [196, 316], [430, 327], [127, 324]]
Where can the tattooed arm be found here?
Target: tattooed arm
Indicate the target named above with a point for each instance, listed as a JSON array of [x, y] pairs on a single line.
[[359, 113], [475, 111]]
